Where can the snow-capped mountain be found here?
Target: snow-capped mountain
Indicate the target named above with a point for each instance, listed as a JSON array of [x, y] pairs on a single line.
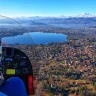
[[83, 15], [86, 15]]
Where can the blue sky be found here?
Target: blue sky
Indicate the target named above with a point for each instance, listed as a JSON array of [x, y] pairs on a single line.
[[46, 7]]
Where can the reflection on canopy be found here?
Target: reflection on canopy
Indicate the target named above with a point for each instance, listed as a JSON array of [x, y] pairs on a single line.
[[11, 27]]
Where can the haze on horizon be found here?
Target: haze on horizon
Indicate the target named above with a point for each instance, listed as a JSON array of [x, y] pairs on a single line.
[[17, 8]]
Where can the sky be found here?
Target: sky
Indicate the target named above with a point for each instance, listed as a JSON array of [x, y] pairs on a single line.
[[14, 8]]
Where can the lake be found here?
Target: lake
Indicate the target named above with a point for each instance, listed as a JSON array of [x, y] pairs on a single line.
[[35, 38]]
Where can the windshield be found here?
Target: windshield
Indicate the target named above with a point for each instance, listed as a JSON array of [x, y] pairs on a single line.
[[63, 59], [13, 34]]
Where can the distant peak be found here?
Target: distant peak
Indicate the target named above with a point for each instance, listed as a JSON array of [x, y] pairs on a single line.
[[86, 15]]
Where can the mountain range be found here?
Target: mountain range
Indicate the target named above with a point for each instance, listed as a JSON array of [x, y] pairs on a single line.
[[85, 20], [83, 15]]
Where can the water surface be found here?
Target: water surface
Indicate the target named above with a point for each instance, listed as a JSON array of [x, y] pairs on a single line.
[[35, 37]]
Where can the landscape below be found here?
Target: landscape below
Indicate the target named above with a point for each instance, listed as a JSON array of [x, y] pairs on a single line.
[[62, 68]]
